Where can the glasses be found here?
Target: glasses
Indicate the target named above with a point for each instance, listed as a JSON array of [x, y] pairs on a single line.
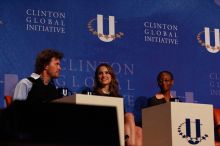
[[164, 81]]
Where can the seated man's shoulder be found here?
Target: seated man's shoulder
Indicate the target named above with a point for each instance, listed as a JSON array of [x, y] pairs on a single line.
[[29, 80], [25, 81]]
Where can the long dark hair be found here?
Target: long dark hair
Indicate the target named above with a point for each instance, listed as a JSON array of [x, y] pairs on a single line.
[[113, 87]]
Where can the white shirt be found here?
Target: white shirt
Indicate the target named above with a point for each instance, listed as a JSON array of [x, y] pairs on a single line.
[[23, 87]]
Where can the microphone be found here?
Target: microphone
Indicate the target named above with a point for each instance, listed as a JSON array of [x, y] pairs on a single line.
[[175, 99], [86, 90], [64, 91]]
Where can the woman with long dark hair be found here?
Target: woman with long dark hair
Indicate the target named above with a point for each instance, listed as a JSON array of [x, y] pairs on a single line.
[[106, 84]]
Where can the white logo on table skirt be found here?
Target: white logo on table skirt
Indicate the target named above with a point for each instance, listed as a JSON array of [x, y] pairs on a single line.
[[185, 131]]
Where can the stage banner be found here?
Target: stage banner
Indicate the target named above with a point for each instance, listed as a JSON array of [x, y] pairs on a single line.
[[137, 38]]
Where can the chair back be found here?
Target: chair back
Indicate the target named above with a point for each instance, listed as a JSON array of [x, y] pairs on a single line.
[[8, 100]]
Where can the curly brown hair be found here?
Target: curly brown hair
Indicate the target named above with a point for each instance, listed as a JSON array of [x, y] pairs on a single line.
[[44, 58]]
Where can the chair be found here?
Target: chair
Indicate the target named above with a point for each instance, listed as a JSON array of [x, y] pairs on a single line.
[[217, 126], [8, 100]]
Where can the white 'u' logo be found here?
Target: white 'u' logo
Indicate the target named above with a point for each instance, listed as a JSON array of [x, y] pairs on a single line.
[[109, 37], [211, 49]]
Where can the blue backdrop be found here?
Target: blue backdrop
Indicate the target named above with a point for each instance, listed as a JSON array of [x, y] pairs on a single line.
[[145, 37]]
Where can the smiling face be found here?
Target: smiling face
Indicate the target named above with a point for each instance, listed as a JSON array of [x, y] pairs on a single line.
[[104, 77], [165, 82]]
